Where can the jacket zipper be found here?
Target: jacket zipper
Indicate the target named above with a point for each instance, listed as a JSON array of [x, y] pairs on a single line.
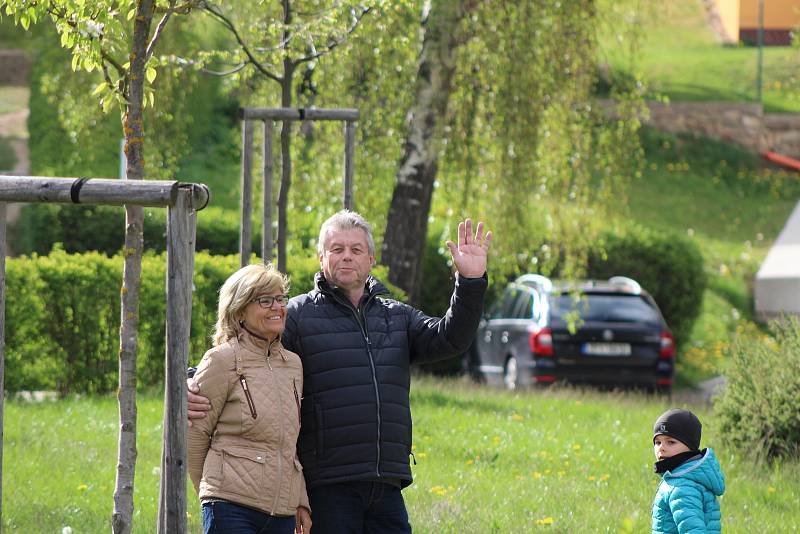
[[362, 324], [358, 314], [276, 388], [250, 402], [296, 398]]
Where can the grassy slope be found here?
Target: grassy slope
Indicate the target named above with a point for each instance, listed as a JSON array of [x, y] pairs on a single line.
[[487, 461], [713, 191], [681, 59]]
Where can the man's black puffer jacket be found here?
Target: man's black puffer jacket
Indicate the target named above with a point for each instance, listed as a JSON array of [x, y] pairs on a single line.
[[356, 418]]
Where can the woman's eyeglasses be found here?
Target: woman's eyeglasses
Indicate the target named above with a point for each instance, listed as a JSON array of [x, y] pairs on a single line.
[[266, 302]]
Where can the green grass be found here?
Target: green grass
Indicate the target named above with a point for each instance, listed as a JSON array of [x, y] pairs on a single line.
[[722, 197], [13, 99], [680, 58], [487, 461]]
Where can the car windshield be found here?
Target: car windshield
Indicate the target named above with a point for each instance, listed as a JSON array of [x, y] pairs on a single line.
[[603, 308]]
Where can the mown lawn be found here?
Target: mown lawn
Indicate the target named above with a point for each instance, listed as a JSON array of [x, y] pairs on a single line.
[[680, 57], [487, 461]]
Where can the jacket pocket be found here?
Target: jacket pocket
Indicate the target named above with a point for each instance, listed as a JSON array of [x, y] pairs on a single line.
[[243, 470], [320, 431], [212, 469]]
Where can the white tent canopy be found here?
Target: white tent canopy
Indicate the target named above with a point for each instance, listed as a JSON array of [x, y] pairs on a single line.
[[777, 287]]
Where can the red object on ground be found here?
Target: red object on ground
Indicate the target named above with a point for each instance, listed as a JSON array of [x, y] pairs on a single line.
[[785, 161]]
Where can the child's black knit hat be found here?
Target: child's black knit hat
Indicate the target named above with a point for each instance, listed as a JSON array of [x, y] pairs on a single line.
[[682, 425]]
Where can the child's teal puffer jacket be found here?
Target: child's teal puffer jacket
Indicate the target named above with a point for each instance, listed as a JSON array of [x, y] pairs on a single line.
[[686, 500]]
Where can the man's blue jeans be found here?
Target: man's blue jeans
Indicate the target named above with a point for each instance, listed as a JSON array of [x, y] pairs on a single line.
[[358, 508], [223, 517]]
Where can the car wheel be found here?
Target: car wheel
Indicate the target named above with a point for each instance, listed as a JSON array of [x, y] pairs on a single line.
[[511, 373]]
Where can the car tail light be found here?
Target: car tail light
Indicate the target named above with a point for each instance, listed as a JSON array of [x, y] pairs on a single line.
[[667, 346], [545, 378], [664, 381], [541, 342]]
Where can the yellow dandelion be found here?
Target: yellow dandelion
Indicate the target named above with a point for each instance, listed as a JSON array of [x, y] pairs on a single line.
[[547, 471], [421, 455], [83, 487], [517, 417], [591, 478], [536, 475], [771, 489], [545, 521], [576, 447], [605, 477], [439, 490], [470, 462], [496, 440]]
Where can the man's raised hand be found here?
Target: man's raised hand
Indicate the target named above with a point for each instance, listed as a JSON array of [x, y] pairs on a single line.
[[470, 255]]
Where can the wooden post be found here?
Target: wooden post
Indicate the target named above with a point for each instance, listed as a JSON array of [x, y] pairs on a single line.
[[2, 341], [181, 221], [266, 226], [349, 148], [247, 192]]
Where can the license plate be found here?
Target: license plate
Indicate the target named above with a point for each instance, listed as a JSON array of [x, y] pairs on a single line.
[[607, 349]]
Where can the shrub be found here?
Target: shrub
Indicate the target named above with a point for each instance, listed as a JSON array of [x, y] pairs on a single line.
[[62, 316], [101, 228], [759, 409], [668, 265]]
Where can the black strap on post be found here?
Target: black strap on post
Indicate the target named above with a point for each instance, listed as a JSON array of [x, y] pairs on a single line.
[[302, 112], [75, 190]]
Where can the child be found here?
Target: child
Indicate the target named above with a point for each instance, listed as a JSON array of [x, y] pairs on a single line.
[[686, 500]]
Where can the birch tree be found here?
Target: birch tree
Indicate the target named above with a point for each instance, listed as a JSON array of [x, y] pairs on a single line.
[[407, 222], [118, 40]]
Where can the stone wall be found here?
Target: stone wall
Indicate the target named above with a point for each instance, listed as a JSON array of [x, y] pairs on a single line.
[[742, 123], [14, 67]]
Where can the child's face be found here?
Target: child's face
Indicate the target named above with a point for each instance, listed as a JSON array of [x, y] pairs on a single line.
[[666, 446]]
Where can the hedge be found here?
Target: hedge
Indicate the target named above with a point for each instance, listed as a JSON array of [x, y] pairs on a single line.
[[668, 265], [62, 317], [86, 228]]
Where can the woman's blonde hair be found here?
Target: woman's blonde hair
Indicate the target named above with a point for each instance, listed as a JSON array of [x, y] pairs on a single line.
[[239, 290]]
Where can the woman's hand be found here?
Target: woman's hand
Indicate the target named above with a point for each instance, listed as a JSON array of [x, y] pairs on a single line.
[[302, 520]]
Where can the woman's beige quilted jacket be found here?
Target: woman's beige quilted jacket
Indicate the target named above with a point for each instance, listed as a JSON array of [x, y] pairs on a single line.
[[244, 451]]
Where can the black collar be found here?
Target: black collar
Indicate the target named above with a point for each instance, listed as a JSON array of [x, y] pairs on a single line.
[[668, 464]]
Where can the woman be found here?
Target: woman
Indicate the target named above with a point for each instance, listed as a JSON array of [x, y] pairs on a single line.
[[242, 457]]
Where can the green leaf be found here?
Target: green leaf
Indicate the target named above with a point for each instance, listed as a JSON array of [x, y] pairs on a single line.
[[131, 13], [151, 96], [24, 21], [99, 89], [150, 74], [76, 60]]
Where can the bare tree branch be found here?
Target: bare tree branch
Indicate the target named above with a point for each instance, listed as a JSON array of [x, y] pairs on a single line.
[[159, 28], [183, 62], [333, 44], [225, 21]]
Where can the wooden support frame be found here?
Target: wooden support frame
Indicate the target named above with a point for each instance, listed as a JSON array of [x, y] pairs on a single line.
[[268, 116], [182, 202]]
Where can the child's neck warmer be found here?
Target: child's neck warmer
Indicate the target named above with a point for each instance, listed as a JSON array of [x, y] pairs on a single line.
[[668, 464]]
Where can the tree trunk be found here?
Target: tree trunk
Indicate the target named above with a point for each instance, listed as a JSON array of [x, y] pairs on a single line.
[[407, 223], [122, 519], [286, 145]]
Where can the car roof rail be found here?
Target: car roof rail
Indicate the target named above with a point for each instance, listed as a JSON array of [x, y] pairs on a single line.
[[535, 279], [628, 283]]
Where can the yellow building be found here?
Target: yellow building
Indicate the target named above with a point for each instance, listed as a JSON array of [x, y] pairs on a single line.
[[740, 17]]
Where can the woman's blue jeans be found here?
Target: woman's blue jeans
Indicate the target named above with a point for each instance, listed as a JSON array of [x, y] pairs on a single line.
[[223, 517]]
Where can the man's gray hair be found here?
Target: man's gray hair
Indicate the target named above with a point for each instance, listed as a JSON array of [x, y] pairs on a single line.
[[343, 221]]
